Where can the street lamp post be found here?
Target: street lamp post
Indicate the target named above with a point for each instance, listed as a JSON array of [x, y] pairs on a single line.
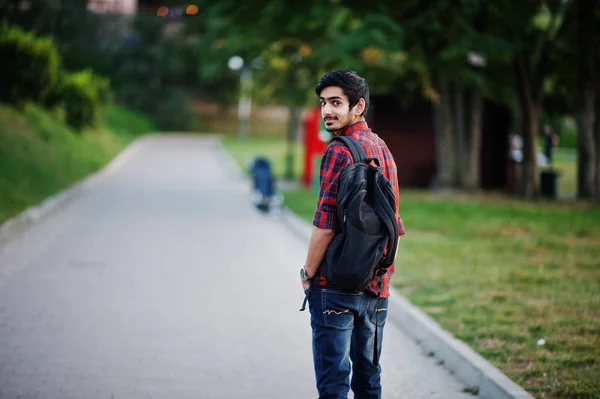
[[245, 102], [294, 120], [236, 63]]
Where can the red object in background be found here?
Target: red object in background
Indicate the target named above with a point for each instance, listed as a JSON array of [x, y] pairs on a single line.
[[314, 146]]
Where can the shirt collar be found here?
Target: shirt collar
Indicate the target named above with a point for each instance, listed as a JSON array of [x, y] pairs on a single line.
[[355, 127]]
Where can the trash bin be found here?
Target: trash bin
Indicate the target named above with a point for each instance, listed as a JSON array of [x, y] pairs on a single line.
[[549, 183]]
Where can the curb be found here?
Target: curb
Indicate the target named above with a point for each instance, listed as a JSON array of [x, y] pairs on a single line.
[[18, 224], [480, 376]]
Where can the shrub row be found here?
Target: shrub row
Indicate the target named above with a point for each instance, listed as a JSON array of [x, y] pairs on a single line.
[[31, 71]]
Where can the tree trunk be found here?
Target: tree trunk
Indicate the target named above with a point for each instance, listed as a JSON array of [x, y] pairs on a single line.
[[597, 143], [596, 76], [585, 117], [441, 179], [460, 135], [293, 122], [446, 154], [585, 143], [530, 111], [529, 169], [472, 148]]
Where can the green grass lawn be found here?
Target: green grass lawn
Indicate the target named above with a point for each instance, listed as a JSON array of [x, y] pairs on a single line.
[[40, 155], [274, 149], [501, 274], [565, 162]]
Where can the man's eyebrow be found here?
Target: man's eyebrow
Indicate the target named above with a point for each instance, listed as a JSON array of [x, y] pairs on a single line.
[[331, 98]]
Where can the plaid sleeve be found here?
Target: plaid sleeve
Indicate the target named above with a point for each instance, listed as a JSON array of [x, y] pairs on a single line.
[[401, 230], [335, 159]]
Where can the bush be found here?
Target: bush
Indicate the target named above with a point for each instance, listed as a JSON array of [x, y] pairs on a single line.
[[170, 108], [29, 66], [54, 96], [125, 122], [105, 94], [175, 111], [83, 95]]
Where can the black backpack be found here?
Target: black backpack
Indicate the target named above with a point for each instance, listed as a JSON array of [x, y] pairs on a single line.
[[366, 210]]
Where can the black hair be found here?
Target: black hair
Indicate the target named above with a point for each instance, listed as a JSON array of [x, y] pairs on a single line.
[[353, 86]]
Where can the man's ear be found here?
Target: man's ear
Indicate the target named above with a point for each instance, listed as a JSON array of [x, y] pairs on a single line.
[[359, 107]]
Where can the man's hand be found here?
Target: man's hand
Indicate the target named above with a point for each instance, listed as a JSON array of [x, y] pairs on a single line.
[[319, 241], [305, 284]]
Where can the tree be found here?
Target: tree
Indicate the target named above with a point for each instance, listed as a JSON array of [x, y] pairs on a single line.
[[587, 144], [572, 89], [155, 72], [299, 42], [441, 38], [450, 50], [535, 27], [521, 36]]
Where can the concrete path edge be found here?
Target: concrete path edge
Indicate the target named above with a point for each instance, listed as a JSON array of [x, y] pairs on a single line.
[[479, 376]]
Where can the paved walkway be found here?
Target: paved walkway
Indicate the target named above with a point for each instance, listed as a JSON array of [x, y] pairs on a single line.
[[160, 282]]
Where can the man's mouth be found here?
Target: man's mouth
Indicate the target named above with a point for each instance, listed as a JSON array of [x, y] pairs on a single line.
[[329, 120]]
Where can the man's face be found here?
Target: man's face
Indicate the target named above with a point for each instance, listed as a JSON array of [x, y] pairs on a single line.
[[335, 109]]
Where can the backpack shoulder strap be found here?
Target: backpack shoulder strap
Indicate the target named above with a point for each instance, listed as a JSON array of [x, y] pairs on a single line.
[[388, 215], [357, 151]]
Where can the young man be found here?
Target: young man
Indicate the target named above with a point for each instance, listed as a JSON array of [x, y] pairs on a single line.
[[343, 323]]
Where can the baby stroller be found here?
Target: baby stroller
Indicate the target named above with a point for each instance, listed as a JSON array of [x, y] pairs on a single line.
[[265, 197]]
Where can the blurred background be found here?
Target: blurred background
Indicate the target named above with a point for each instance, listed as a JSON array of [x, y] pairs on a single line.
[[462, 92], [491, 110]]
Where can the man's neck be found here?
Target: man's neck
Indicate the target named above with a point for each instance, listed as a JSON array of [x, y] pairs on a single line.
[[355, 121]]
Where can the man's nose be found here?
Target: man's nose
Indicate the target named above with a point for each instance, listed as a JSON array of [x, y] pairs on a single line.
[[326, 110]]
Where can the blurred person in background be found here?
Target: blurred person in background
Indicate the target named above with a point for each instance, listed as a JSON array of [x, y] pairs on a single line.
[[551, 140]]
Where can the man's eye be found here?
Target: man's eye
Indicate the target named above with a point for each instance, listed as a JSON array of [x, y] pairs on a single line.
[[336, 103]]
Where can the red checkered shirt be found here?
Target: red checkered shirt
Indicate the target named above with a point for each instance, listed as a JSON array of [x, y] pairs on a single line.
[[336, 157]]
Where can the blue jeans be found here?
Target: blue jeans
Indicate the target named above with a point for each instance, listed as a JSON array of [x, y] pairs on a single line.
[[343, 325]]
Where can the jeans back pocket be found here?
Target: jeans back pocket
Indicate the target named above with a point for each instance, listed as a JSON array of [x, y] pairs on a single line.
[[339, 308]]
